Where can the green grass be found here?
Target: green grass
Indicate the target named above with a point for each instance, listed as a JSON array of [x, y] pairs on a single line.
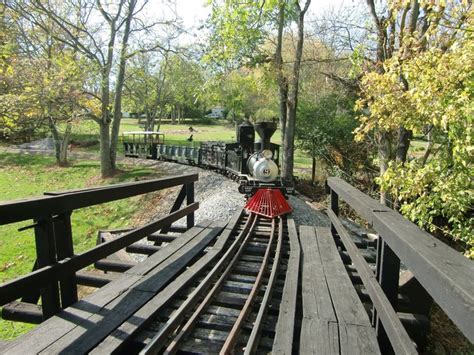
[[23, 176]]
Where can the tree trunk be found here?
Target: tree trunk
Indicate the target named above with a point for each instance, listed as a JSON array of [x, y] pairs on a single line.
[[384, 155], [106, 167], [429, 147], [292, 102], [313, 171], [56, 138], [281, 80], [119, 86], [64, 145], [404, 139]]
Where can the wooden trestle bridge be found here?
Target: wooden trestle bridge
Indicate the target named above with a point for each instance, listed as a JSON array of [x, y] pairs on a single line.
[[249, 285]]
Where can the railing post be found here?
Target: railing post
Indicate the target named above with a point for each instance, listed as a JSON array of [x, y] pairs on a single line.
[[46, 255], [65, 249], [388, 275], [334, 203], [190, 200]]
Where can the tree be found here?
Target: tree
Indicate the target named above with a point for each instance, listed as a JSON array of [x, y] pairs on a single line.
[[239, 29], [427, 88], [324, 131], [146, 88], [403, 29], [98, 32]]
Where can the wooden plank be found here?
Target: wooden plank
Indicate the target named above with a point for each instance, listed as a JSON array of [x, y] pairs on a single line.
[[397, 334], [355, 330], [319, 329], [319, 336], [363, 204], [14, 289], [442, 271], [46, 256], [84, 337], [65, 249], [136, 322], [347, 305], [164, 253], [283, 343], [94, 279], [317, 302], [87, 334], [113, 265], [53, 328], [154, 280], [142, 248], [22, 312], [53, 205], [356, 339]]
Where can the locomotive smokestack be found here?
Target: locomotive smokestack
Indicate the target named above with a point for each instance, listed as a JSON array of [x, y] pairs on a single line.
[[265, 130]]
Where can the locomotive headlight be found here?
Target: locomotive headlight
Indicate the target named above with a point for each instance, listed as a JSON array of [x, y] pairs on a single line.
[[267, 154]]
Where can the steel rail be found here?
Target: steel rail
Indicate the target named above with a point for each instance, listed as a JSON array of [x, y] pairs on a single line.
[[254, 335], [234, 333], [173, 346], [157, 341]]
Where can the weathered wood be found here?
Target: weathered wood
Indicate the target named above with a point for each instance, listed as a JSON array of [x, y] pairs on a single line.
[[94, 279], [355, 330], [442, 271], [190, 200], [319, 336], [284, 331], [86, 334], [113, 265], [84, 338], [117, 338], [164, 253], [22, 312], [14, 289], [176, 205], [53, 205], [319, 332], [363, 204], [142, 248], [161, 238], [65, 249], [399, 338], [72, 324], [46, 256], [66, 320], [388, 271]]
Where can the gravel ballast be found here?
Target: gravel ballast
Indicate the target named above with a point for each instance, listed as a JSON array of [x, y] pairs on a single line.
[[219, 198]]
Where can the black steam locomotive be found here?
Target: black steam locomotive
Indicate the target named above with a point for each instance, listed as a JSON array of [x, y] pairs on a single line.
[[253, 164]]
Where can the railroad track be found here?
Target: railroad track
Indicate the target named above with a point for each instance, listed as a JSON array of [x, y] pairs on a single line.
[[232, 306]]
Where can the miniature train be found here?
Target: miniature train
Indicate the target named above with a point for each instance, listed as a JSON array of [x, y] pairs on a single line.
[[253, 164]]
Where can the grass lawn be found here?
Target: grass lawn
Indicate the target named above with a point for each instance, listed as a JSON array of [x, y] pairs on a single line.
[[23, 176]]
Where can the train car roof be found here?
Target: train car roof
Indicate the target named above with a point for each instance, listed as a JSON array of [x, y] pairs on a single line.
[[143, 132]]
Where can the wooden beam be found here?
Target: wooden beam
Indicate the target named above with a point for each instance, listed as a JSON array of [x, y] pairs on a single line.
[[93, 279], [22, 312], [53, 205], [397, 334], [443, 272], [113, 265], [15, 289]]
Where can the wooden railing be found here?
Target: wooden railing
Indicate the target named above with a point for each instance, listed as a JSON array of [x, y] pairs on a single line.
[[444, 273], [54, 274]]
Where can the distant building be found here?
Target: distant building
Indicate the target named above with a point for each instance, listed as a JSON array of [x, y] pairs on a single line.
[[216, 112]]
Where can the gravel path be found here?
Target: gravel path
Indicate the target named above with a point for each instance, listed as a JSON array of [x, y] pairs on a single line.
[[218, 196]]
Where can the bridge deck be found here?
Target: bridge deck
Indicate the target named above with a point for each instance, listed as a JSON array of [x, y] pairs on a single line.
[[333, 319]]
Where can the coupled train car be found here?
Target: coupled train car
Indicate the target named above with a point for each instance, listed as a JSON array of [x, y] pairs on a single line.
[[253, 164]]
